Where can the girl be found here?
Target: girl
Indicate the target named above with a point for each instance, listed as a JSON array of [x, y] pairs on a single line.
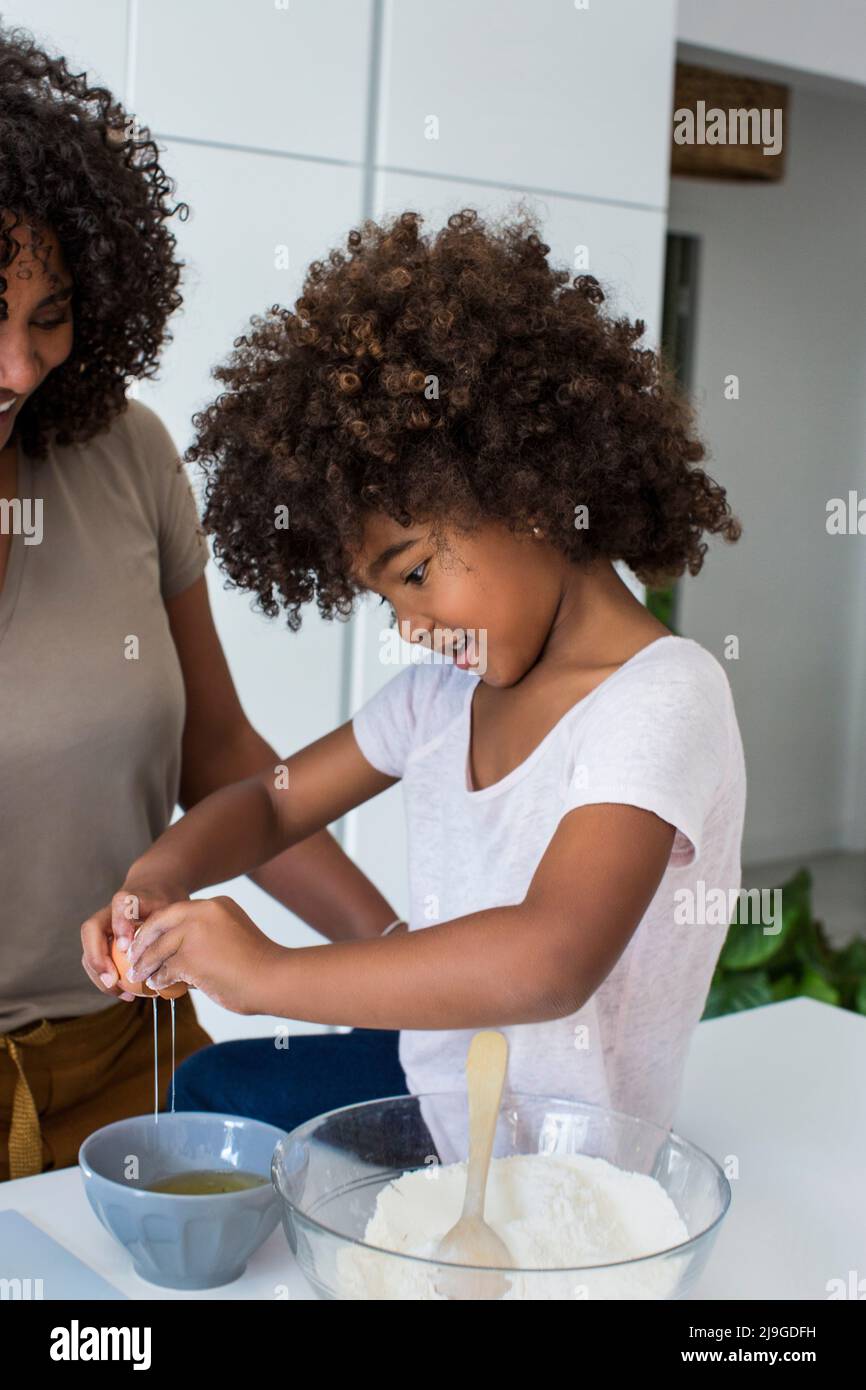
[[453, 425], [99, 540]]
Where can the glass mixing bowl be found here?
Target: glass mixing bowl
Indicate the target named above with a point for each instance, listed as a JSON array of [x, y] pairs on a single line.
[[330, 1171]]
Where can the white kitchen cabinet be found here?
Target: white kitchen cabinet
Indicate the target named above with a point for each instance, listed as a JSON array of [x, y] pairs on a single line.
[[92, 37], [290, 77], [550, 94]]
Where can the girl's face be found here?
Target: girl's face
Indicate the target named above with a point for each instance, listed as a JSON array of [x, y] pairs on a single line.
[[502, 590], [36, 336]]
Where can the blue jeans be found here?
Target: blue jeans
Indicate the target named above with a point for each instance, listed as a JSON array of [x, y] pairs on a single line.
[[284, 1086]]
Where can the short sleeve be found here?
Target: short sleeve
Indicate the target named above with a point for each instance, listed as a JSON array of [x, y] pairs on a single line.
[[410, 711], [183, 552], [657, 739], [384, 727]]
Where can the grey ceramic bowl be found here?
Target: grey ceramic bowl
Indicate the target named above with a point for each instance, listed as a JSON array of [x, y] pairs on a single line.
[[175, 1241]]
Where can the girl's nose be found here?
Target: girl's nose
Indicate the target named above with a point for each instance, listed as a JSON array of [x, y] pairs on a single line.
[[414, 628]]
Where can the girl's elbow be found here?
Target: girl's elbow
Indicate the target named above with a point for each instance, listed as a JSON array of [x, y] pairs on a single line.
[[558, 989]]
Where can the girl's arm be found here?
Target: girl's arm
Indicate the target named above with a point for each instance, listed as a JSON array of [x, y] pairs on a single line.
[[528, 963], [315, 879], [239, 827], [232, 832]]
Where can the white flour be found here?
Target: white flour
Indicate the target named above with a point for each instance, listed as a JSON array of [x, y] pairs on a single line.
[[554, 1212]]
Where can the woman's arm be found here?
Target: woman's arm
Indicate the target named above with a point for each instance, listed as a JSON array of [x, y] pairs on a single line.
[[241, 826], [536, 960], [315, 879], [236, 830]]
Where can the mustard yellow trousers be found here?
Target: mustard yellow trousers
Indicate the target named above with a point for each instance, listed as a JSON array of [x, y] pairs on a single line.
[[60, 1079]]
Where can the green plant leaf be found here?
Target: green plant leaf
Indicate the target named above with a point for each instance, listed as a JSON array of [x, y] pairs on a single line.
[[748, 946], [812, 948], [661, 603], [736, 992], [815, 986], [785, 987], [852, 958], [849, 972], [757, 968]]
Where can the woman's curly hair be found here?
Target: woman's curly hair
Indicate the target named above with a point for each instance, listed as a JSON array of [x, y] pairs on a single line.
[[75, 164], [446, 380]]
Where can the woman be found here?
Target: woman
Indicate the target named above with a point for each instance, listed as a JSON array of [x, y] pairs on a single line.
[[115, 697]]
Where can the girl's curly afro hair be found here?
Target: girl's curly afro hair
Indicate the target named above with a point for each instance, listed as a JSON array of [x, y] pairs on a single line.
[[448, 381], [75, 164]]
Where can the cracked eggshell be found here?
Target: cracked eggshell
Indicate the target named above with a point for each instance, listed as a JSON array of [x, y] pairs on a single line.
[[121, 964]]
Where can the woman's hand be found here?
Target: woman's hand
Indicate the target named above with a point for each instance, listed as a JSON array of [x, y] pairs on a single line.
[[118, 920], [210, 944]]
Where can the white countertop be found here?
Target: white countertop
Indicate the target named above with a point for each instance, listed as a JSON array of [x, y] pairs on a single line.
[[781, 1090]]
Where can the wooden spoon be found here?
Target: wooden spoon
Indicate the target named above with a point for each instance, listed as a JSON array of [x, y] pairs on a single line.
[[471, 1241]]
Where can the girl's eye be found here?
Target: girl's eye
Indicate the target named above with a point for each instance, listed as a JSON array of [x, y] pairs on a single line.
[[411, 576], [52, 323]]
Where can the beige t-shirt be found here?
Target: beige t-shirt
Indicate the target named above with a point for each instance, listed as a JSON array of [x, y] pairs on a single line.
[[92, 700]]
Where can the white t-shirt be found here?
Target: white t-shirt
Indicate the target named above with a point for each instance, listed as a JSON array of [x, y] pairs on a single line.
[[660, 733]]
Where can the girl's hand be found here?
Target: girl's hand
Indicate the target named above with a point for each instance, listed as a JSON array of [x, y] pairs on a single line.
[[118, 920], [211, 944]]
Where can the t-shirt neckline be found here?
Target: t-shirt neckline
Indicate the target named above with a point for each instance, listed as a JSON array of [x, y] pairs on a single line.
[[520, 771]]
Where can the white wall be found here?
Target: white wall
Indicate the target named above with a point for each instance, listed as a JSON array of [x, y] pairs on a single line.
[[570, 107], [782, 303], [806, 241], [827, 38], [94, 39]]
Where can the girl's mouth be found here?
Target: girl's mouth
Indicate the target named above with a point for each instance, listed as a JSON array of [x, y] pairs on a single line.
[[464, 650], [7, 405]]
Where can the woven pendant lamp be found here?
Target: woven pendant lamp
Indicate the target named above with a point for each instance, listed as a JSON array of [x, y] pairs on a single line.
[[726, 126]]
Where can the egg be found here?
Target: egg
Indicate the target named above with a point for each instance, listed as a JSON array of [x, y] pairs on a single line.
[[121, 965]]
